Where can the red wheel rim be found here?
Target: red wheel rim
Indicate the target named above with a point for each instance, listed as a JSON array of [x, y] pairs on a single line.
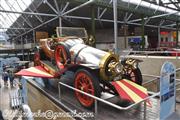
[[83, 82], [60, 56], [131, 75], [36, 58]]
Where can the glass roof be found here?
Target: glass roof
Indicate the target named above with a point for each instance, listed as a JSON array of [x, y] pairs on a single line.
[[7, 19]]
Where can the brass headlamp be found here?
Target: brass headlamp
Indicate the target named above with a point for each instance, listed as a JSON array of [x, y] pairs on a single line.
[[110, 66]]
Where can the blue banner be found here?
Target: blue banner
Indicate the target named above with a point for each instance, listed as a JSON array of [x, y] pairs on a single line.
[[135, 40]]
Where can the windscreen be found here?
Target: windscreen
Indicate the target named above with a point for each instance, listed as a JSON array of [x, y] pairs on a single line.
[[71, 31]]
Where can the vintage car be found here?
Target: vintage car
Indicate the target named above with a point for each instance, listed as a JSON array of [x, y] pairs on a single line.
[[95, 70]]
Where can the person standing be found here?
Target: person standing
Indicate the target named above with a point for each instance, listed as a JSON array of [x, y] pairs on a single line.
[[11, 77], [5, 77]]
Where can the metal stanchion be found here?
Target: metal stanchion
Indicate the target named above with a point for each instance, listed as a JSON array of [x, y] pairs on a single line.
[[59, 90], [144, 110], [95, 109]]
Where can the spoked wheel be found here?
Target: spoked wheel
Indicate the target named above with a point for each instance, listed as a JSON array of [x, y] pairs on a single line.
[[36, 58], [134, 75], [88, 83], [62, 56]]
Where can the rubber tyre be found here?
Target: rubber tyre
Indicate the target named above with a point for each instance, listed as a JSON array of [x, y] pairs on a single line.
[[136, 75], [66, 55], [93, 84]]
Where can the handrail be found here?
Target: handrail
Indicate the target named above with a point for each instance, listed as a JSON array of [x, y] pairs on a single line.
[[157, 77], [149, 81], [128, 51], [146, 53], [147, 75], [107, 102]]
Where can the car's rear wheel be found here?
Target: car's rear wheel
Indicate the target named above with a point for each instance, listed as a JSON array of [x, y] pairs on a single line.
[[61, 55]]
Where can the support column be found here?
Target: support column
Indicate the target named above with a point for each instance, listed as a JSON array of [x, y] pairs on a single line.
[[60, 25], [125, 35], [22, 44], [34, 37], [115, 26], [93, 26], [142, 33], [177, 35], [159, 36], [28, 55]]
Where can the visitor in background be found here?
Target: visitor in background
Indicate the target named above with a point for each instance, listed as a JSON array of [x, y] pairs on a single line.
[[5, 77], [11, 77]]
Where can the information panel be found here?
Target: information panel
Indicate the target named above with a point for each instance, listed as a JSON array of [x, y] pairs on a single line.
[[167, 90]]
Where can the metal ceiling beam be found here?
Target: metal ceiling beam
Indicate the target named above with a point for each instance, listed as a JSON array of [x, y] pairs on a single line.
[[11, 34], [57, 7], [14, 28], [35, 9], [105, 9], [175, 4], [51, 7], [132, 13], [29, 13], [31, 10], [107, 20], [37, 27], [170, 25], [156, 9], [24, 18], [65, 7], [12, 8], [171, 3], [156, 16], [161, 22], [80, 6], [10, 18], [166, 5], [56, 16], [3, 21], [147, 20]]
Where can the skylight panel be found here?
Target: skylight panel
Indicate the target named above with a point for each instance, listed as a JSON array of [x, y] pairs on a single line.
[[12, 5]]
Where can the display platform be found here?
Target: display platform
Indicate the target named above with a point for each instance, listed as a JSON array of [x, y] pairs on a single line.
[[104, 112]]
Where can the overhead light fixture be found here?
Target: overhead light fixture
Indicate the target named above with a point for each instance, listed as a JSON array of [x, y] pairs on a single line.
[[157, 1], [44, 1]]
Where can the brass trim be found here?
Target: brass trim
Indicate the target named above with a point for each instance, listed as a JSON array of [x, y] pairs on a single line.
[[103, 63]]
